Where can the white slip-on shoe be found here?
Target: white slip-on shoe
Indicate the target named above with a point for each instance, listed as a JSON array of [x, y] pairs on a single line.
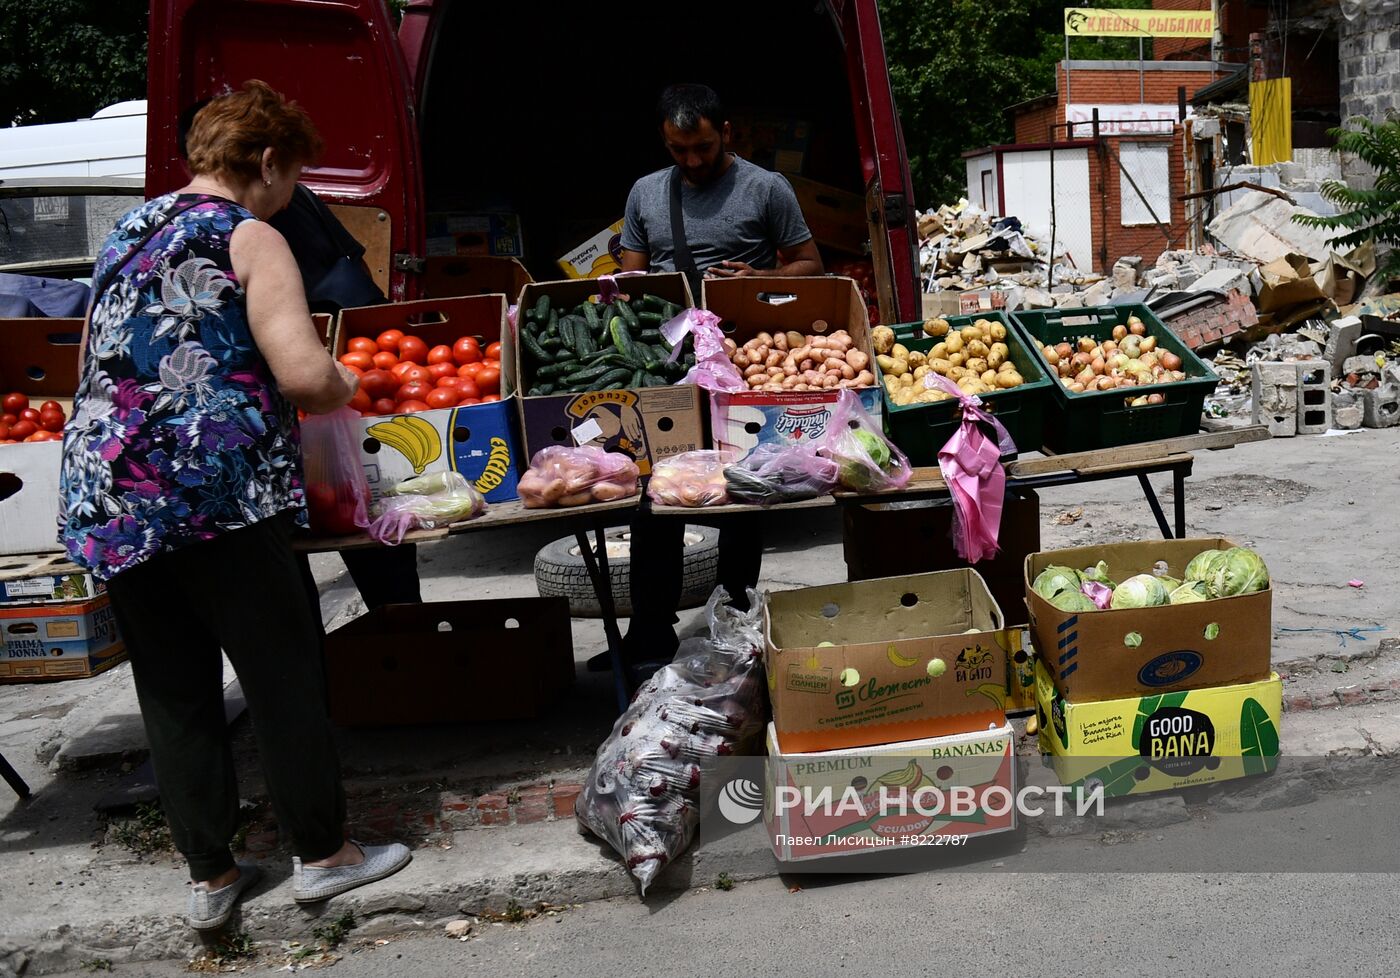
[[211, 909], [316, 883]]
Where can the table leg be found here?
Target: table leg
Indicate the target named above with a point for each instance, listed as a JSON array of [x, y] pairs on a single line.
[[1179, 501], [597, 564], [1152, 501], [12, 778]]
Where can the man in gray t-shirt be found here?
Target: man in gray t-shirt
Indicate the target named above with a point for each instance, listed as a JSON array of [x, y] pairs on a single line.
[[740, 219]]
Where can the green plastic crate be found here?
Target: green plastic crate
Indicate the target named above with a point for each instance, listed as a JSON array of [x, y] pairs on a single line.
[[1104, 419], [921, 430]]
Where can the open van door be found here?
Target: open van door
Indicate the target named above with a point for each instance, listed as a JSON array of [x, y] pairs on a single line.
[[340, 60], [894, 237]]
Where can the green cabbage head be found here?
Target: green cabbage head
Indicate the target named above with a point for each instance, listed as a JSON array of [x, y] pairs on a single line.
[[1098, 574], [1054, 579], [1239, 571], [1189, 592], [1073, 602], [1139, 591], [1199, 567]]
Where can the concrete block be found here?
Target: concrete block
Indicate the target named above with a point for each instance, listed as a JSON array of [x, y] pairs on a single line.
[[1380, 408], [1124, 276], [1069, 300], [1342, 335], [1274, 390], [1222, 280], [1314, 397], [1098, 294], [1347, 417]]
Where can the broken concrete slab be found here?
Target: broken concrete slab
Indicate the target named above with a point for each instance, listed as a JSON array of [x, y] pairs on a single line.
[[1261, 227], [1222, 280]]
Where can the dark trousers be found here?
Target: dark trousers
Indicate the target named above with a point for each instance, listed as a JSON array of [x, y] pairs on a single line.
[[382, 575], [658, 577], [241, 592]]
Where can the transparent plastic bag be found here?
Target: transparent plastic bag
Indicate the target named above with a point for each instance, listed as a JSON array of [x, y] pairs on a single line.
[[337, 493], [563, 476], [713, 369], [690, 479], [774, 473], [642, 795], [869, 462], [423, 503]]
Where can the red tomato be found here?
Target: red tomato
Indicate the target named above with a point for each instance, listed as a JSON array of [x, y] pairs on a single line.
[[470, 369], [48, 406], [378, 383], [9, 418], [440, 397], [385, 361], [466, 387], [440, 370], [8, 441], [51, 420], [490, 397], [361, 401], [362, 344], [448, 383], [466, 350], [417, 375], [385, 405], [489, 380], [4, 430], [493, 351], [362, 360], [442, 353], [41, 436], [412, 407], [328, 512], [412, 392], [389, 340], [468, 401], [412, 348], [354, 370], [21, 430], [400, 368], [15, 403]]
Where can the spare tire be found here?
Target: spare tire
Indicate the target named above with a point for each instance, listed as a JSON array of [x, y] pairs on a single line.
[[561, 572]]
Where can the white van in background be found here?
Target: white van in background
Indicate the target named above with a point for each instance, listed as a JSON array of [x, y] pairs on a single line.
[[111, 143]]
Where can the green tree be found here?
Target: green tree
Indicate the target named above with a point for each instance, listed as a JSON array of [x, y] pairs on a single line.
[[1367, 214], [64, 59], [956, 66]]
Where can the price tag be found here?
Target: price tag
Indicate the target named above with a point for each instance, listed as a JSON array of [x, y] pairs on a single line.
[[587, 431], [674, 330]]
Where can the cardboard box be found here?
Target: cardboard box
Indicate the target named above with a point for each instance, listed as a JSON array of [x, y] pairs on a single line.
[[599, 255], [770, 141], [445, 278], [1163, 741], [480, 441], [647, 424], [34, 585], [1086, 653], [1288, 281], [875, 683], [453, 233], [835, 217], [39, 358], [980, 761], [66, 641], [741, 422], [450, 662]]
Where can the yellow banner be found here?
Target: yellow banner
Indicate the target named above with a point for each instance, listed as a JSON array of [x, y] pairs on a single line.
[[1097, 22]]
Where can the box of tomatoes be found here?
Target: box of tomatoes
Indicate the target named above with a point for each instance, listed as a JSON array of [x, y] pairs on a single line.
[[38, 377], [435, 391]]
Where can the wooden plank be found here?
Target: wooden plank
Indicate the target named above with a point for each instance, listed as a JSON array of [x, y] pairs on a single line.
[[817, 502], [497, 515], [1144, 452], [370, 226], [1130, 468]]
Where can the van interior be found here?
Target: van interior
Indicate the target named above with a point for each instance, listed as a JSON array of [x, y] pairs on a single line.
[[550, 112]]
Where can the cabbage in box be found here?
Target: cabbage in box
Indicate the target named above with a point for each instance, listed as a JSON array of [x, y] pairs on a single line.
[[480, 440], [1140, 651], [746, 307], [893, 796], [1162, 741]]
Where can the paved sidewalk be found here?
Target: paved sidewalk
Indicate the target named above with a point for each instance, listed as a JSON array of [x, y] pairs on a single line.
[[487, 807]]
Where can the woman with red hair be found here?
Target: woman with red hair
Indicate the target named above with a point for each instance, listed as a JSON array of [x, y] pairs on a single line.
[[181, 485]]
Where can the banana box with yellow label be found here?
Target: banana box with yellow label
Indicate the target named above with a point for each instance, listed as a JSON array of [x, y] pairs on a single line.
[[481, 441], [868, 800], [1163, 741]]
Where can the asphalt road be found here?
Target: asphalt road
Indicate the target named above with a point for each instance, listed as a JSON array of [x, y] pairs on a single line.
[[1045, 910]]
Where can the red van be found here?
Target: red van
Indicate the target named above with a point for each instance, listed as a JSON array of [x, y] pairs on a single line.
[[545, 112]]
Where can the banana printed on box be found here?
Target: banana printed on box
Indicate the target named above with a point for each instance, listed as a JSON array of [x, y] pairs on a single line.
[[478, 441]]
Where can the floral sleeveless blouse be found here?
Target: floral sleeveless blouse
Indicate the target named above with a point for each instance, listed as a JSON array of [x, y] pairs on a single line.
[[178, 432]]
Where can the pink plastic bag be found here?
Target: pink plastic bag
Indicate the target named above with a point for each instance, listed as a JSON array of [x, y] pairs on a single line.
[[690, 479], [971, 466], [855, 441], [774, 473], [337, 493], [424, 503], [563, 476], [713, 369]]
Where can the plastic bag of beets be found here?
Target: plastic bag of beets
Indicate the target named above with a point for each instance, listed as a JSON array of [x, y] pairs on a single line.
[[642, 795]]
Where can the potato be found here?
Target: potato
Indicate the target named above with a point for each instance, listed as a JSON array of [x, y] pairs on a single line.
[[955, 373], [858, 360], [956, 359], [915, 358], [976, 348], [1001, 348], [899, 351], [989, 377], [995, 358], [976, 365], [970, 333], [890, 365], [794, 339], [941, 366], [954, 343], [1009, 379], [939, 352], [883, 339], [998, 332], [922, 371], [936, 327]]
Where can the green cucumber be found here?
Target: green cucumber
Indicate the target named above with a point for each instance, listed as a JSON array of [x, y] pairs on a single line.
[[566, 332], [554, 371], [583, 338], [627, 314], [650, 336], [590, 316], [623, 341], [589, 374], [541, 309], [532, 346], [550, 342], [611, 379], [654, 303], [670, 310], [651, 380], [638, 378], [649, 318]]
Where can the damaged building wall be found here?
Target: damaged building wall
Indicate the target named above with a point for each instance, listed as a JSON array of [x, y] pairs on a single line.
[[1369, 51]]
